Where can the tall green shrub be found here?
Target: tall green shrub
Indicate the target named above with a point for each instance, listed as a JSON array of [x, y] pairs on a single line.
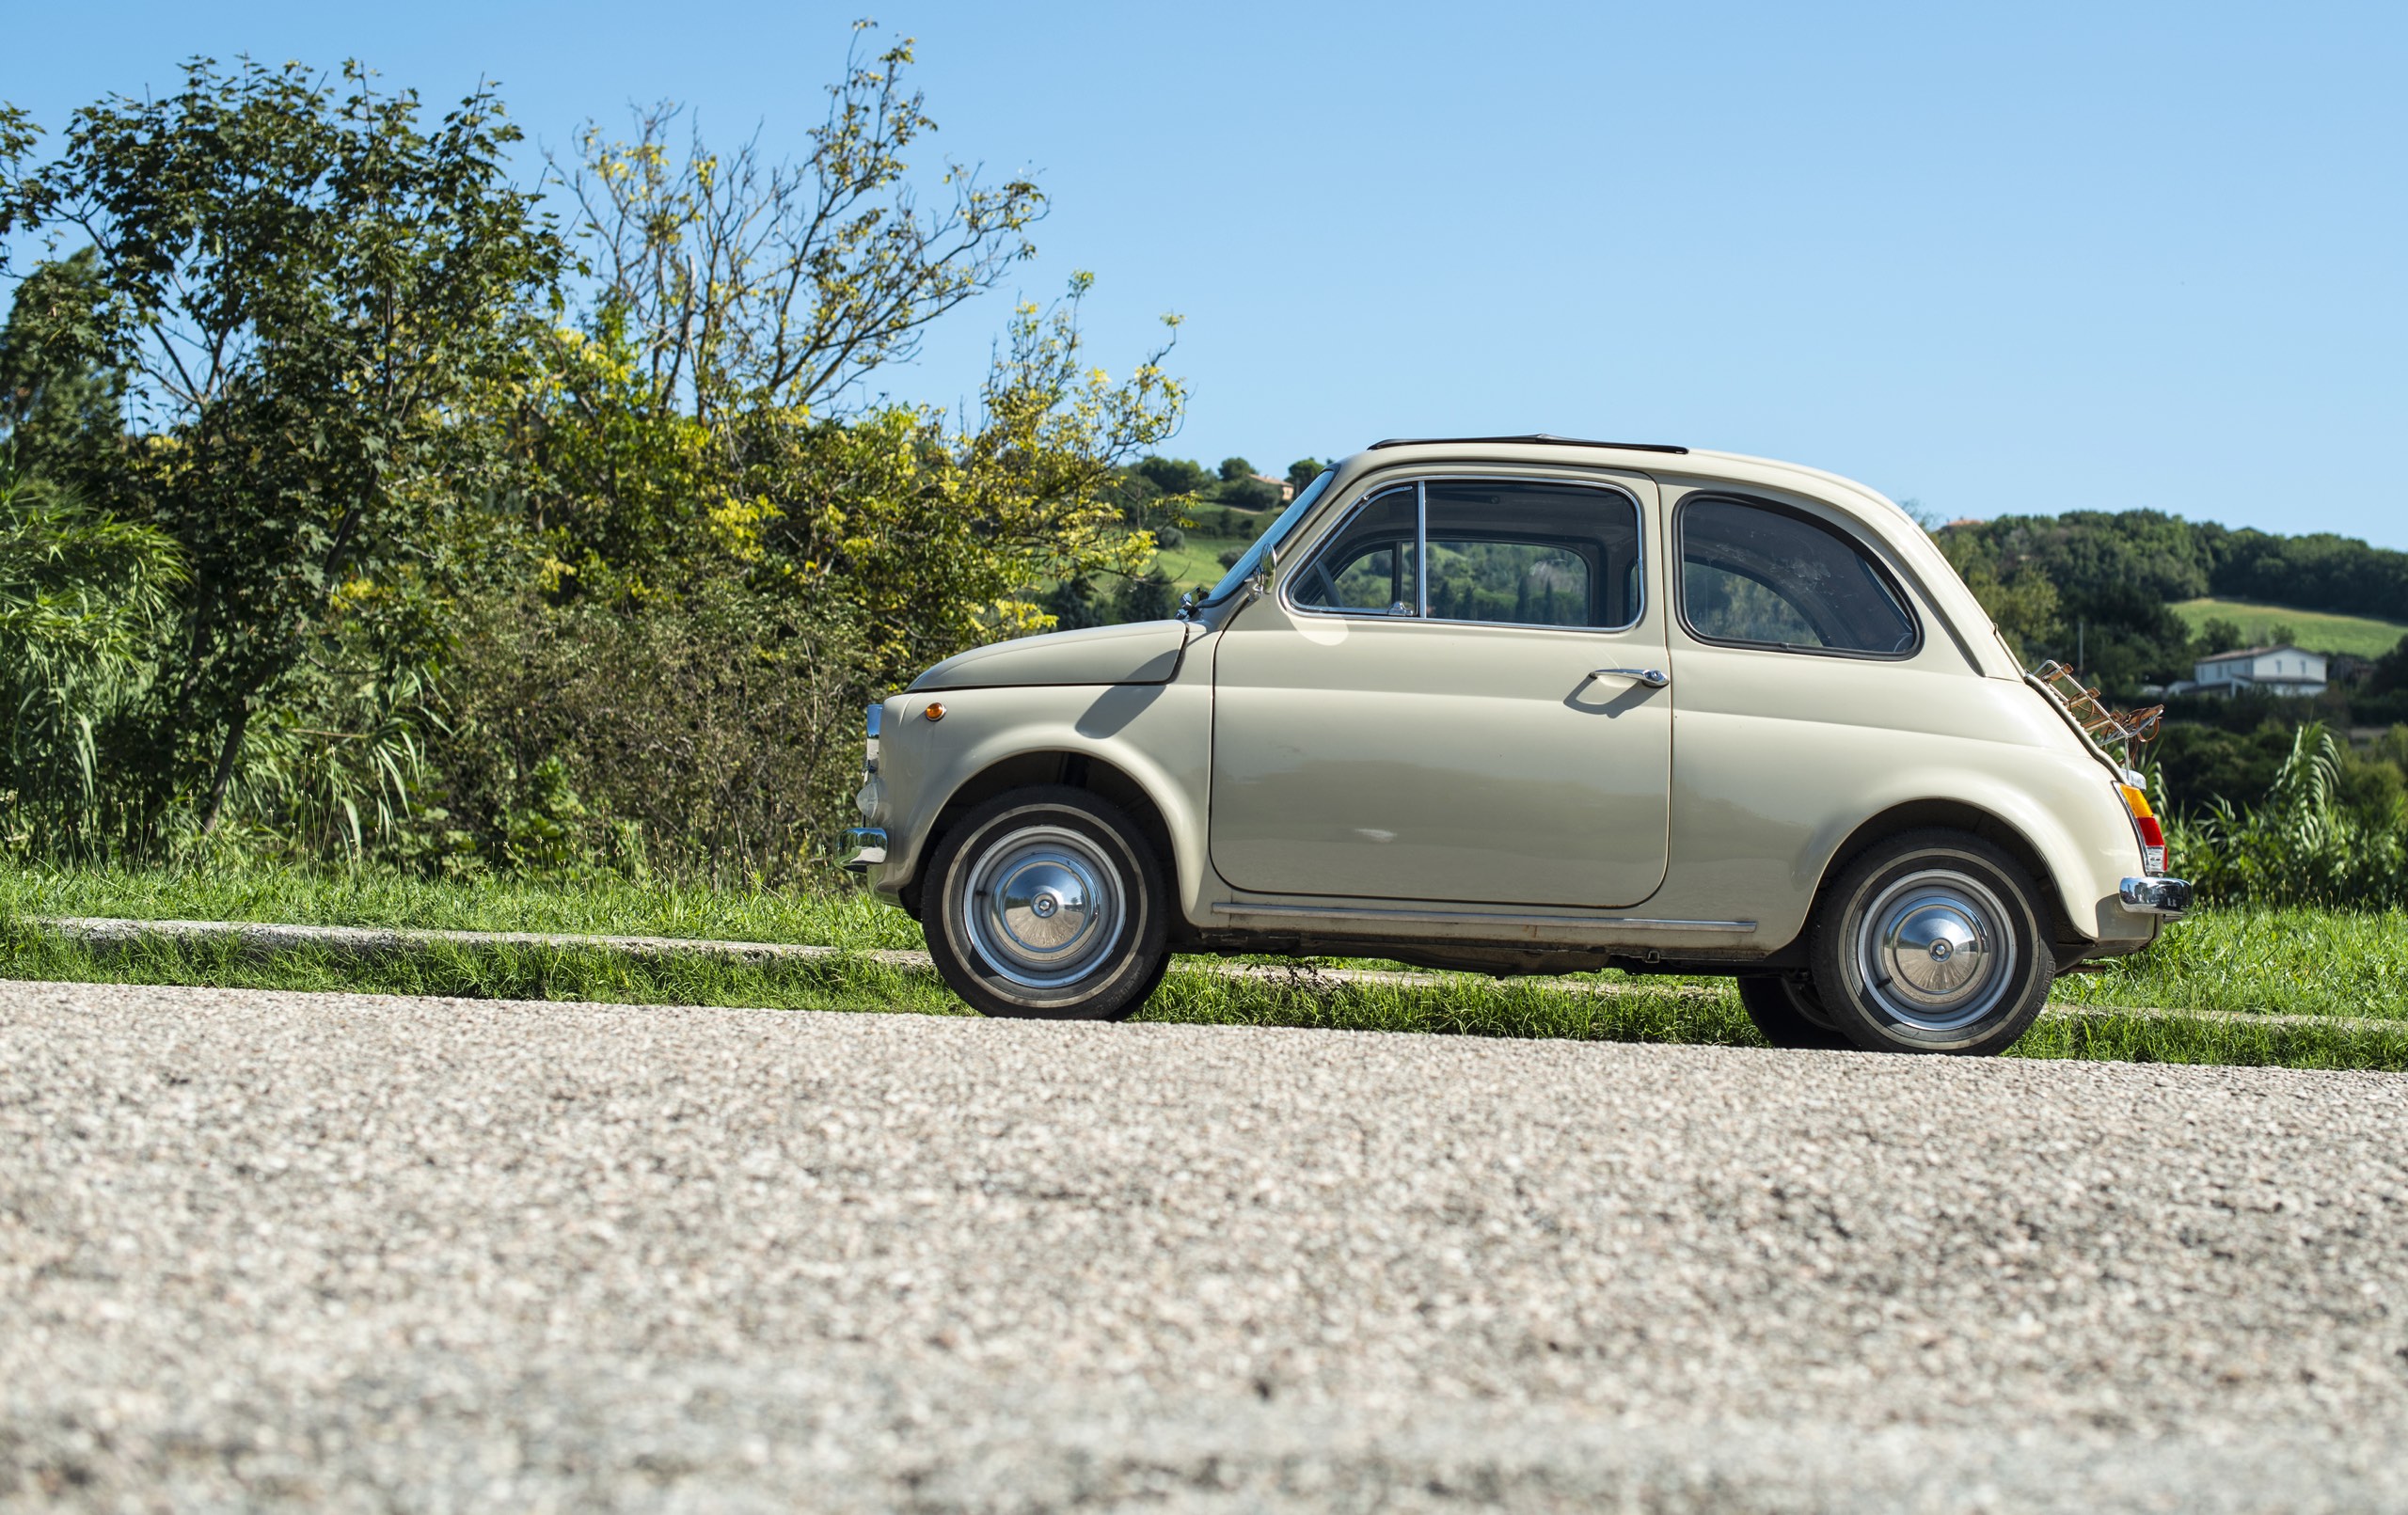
[[83, 597], [2302, 845]]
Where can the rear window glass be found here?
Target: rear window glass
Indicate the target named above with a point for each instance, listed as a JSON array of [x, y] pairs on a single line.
[[1763, 577]]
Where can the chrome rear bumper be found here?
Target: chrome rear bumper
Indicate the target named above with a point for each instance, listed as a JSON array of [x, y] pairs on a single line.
[[865, 848], [2156, 896]]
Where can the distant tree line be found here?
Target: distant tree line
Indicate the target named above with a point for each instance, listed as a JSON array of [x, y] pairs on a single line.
[[2103, 584]]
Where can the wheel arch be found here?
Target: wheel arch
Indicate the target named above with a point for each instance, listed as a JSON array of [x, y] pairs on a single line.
[[1098, 774], [1955, 815]]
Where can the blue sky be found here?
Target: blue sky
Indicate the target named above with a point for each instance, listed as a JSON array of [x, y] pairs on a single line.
[[1994, 258]]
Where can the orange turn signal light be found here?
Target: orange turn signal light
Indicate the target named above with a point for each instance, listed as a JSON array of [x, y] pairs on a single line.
[[934, 712], [2145, 821]]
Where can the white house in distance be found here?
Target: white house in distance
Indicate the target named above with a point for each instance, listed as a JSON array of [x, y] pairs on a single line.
[[2285, 670]]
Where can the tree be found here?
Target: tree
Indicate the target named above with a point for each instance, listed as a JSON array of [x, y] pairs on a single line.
[[2390, 671], [934, 533], [743, 281], [309, 287], [1172, 476], [61, 396], [1303, 472], [2219, 635], [1233, 469]]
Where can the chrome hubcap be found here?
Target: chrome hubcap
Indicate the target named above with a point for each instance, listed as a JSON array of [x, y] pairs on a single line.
[[1042, 906], [1935, 952]]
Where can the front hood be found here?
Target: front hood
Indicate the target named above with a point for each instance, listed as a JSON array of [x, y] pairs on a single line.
[[1143, 651]]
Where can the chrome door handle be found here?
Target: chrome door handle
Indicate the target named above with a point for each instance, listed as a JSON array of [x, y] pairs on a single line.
[[1652, 677]]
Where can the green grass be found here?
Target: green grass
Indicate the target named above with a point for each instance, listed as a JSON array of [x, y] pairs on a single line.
[[1469, 1006], [605, 905], [2302, 962], [2316, 630], [1196, 563], [2306, 963]]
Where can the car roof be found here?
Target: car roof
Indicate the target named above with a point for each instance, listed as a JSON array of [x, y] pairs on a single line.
[[1540, 447]]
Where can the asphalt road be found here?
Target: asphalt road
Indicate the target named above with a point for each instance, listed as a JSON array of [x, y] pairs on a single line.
[[354, 1252]]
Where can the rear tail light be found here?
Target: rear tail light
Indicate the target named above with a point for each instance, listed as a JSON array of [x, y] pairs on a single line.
[[2144, 823]]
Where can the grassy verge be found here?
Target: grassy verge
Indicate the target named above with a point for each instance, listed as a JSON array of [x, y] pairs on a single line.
[[603, 904], [2299, 962], [2302, 962], [1642, 1012]]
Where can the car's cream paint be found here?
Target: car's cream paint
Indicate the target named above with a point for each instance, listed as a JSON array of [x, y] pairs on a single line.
[[1777, 758], [1413, 760], [1158, 734], [1408, 759], [1141, 652]]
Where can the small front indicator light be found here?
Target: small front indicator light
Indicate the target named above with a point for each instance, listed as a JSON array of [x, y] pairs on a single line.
[[2145, 822], [934, 712]]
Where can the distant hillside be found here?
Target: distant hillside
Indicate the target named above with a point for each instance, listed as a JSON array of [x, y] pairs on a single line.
[[2104, 586], [2359, 636]]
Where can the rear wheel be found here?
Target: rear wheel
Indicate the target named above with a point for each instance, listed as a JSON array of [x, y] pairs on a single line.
[[1047, 903], [1785, 1010], [1933, 942]]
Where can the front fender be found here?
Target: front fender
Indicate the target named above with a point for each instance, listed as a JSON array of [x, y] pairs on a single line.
[[1157, 736]]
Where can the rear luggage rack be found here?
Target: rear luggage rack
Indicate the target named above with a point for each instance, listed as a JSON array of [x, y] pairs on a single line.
[[2117, 731]]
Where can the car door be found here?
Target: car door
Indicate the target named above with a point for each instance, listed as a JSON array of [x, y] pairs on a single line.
[[1452, 694]]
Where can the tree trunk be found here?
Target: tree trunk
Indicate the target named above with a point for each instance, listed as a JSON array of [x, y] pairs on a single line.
[[226, 756]]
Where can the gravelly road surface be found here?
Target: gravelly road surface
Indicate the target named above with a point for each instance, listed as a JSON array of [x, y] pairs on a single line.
[[371, 1252]]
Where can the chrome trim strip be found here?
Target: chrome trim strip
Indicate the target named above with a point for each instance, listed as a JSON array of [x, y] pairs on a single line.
[[1356, 912], [2155, 896], [1421, 549], [1420, 483]]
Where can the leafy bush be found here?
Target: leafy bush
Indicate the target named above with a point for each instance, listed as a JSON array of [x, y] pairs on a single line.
[[81, 599], [713, 734], [2304, 845]]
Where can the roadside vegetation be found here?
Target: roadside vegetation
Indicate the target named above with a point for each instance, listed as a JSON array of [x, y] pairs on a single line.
[[2229, 986]]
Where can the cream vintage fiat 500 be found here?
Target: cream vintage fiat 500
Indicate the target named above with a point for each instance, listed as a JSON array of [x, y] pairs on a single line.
[[1524, 706]]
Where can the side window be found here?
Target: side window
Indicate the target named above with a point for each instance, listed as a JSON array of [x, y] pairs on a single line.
[[1530, 553], [1371, 566], [1765, 576]]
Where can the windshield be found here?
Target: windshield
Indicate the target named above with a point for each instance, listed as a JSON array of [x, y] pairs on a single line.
[[1273, 535]]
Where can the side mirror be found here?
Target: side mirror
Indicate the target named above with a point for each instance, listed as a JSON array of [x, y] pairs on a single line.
[[1187, 604]]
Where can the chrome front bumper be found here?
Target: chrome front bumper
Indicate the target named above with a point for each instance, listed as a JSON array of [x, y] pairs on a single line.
[[2156, 896], [865, 848]]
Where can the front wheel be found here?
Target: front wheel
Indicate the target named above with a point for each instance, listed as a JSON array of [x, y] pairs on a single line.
[[1933, 942], [1047, 903]]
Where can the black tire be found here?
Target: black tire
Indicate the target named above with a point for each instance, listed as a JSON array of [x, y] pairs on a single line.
[[1933, 942], [1046, 903], [1786, 1011]]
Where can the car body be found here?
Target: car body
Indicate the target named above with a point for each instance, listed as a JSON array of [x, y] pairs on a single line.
[[1456, 708]]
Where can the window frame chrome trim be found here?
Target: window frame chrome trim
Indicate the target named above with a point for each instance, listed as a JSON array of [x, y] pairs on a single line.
[[1676, 522], [1421, 483]]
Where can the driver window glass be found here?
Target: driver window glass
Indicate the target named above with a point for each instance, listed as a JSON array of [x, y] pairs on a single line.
[[1371, 566], [1528, 553], [1767, 578]]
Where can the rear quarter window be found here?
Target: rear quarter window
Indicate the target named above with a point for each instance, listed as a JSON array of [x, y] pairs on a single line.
[[1756, 574]]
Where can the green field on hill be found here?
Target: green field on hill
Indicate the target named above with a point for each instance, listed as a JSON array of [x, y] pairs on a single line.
[[1195, 564], [2315, 630]]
